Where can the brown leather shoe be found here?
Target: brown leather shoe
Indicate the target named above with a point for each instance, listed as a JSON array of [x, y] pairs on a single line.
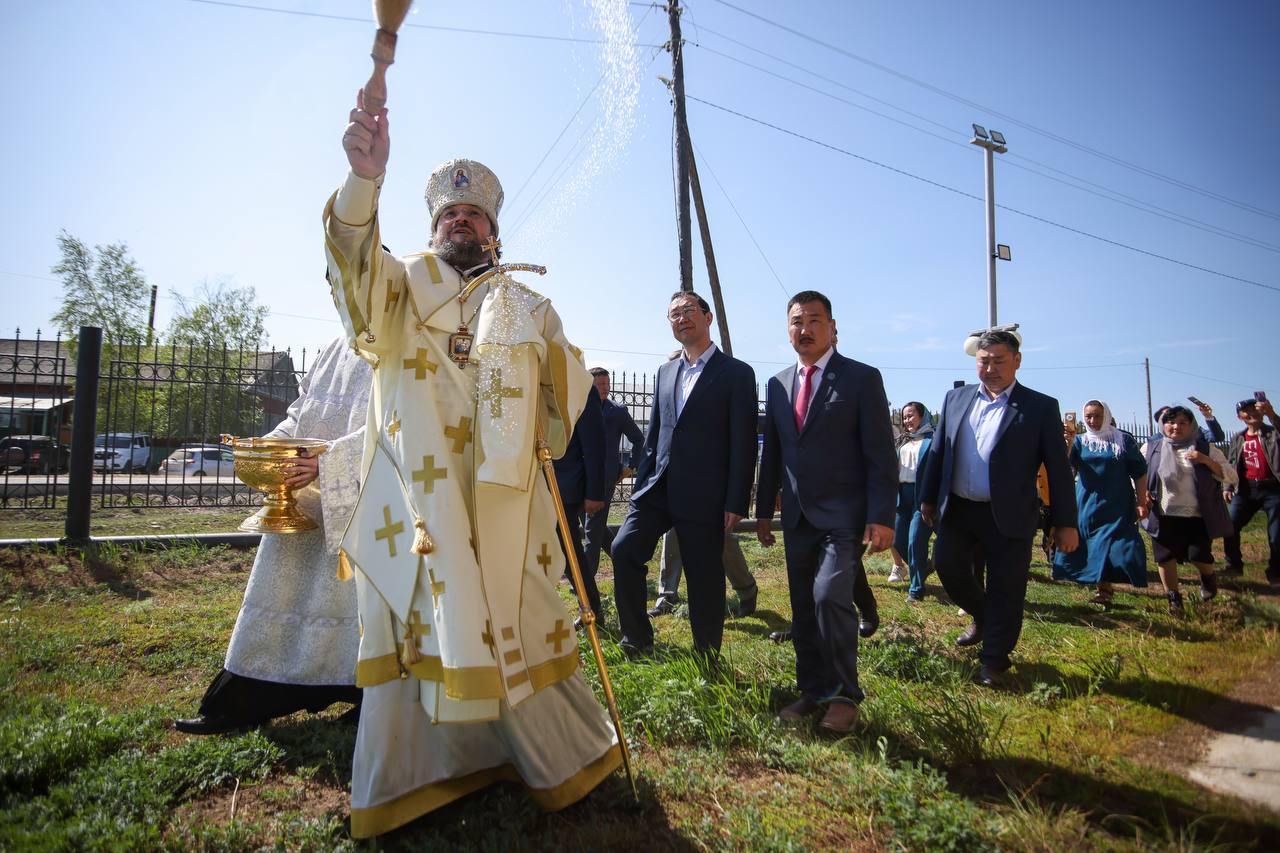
[[799, 710], [971, 637], [840, 718]]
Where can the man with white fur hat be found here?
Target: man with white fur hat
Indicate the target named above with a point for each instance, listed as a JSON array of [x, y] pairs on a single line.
[[977, 488], [468, 657]]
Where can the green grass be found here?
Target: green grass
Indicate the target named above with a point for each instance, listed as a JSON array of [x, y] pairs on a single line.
[[98, 655], [122, 521]]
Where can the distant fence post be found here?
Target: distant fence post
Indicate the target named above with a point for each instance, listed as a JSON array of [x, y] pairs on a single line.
[[84, 425]]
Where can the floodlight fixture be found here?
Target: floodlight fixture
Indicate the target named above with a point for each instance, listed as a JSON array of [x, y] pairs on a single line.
[[1002, 252], [997, 137], [980, 132]]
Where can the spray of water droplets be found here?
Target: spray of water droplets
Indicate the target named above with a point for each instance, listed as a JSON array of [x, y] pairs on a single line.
[[603, 133]]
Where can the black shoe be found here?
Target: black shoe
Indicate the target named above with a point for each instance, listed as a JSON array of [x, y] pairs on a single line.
[[1208, 587], [633, 651], [990, 676], [783, 636], [1175, 603], [915, 597], [971, 637], [212, 725], [1233, 571], [746, 605], [868, 625], [662, 607]]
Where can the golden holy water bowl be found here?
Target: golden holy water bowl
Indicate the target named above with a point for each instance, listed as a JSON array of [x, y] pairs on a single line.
[[264, 464]]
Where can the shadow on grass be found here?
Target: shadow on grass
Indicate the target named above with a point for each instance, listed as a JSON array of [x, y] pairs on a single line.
[[1118, 808], [1118, 615], [772, 621]]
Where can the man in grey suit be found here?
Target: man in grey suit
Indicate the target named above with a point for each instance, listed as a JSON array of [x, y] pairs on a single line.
[[828, 444], [977, 487]]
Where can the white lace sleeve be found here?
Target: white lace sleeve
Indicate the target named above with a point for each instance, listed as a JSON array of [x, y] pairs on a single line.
[[340, 484]]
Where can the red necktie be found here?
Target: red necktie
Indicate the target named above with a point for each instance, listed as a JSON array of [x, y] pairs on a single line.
[[802, 398]]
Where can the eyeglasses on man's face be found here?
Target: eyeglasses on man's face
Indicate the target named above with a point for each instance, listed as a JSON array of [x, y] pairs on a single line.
[[675, 315]]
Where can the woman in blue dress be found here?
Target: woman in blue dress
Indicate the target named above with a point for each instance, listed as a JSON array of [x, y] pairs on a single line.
[[1111, 493]]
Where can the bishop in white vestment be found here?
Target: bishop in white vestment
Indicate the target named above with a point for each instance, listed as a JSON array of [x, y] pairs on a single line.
[[468, 658]]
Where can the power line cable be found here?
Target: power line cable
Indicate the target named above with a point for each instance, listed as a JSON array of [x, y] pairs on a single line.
[[1202, 376], [409, 24], [960, 192], [743, 221], [1004, 116], [1100, 190]]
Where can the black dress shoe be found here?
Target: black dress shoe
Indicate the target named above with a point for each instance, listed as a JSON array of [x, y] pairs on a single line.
[[662, 607], [990, 676], [633, 651], [212, 725], [868, 625], [746, 606], [783, 636], [971, 637]]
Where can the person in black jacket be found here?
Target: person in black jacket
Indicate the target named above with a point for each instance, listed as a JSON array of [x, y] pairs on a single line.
[[695, 477], [1255, 454], [580, 474], [617, 423]]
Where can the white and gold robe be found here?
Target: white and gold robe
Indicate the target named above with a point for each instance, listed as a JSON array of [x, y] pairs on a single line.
[[467, 655]]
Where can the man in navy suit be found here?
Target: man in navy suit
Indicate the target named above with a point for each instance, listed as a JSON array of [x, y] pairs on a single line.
[[694, 477], [617, 423], [580, 474], [828, 444], [978, 488]]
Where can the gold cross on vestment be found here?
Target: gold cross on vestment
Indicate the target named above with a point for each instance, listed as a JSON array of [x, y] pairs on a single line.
[[487, 638], [389, 532], [544, 559], [460, 434], [428, 474], [394, 426], [393, 296], [437, 587], [492, 245], [559, 635], [417, 627], [495, 392], [420, 364]]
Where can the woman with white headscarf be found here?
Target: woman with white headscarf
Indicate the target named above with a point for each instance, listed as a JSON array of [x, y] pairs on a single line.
[[1111, 493]]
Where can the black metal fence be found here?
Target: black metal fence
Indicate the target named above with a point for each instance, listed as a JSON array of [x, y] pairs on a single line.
[[160, 412]]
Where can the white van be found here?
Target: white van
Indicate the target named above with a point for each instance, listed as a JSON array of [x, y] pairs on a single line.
[[122, 451]]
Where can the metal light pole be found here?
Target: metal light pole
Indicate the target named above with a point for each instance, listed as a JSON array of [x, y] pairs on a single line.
[[991, 144]]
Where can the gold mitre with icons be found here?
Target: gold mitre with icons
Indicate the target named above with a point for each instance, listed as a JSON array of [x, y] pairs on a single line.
[[462, 181]]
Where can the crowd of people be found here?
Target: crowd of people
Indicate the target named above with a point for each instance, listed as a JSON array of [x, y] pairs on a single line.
[[428, 593]]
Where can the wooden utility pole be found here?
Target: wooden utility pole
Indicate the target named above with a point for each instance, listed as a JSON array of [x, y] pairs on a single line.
[[1151, 420], [704, 231], [682, 148]]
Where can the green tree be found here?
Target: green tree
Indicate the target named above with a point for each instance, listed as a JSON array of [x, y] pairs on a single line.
[[219, 316], [102, 287]]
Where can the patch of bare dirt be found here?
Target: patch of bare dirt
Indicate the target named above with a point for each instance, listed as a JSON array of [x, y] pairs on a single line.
[[37, 572], [260, 802]]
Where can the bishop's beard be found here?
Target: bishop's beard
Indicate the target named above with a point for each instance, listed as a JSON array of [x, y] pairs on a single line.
[[460, 254]]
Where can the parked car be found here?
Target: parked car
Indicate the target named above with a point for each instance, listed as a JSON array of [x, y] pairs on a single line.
[[34, 454], [199, 460], [122, 451]]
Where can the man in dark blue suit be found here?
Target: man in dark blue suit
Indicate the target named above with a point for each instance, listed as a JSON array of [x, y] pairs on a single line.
[[694, 477], [978, 488], [580, 474], [828, 444], [617, 423]]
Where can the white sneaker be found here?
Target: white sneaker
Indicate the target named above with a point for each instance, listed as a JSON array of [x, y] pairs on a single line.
[[896, 576]]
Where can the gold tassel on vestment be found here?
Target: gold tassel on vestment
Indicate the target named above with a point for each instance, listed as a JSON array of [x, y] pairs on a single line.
[[344, 566], [422, 541], [409, 654]]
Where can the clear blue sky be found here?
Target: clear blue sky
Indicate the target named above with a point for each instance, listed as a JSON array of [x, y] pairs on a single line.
[[207, 137]]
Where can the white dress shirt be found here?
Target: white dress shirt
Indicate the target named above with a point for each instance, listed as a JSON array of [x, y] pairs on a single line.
[[687, 376], [975, 439]]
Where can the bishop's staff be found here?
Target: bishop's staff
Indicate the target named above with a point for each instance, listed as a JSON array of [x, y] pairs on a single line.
[[588, 615]]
